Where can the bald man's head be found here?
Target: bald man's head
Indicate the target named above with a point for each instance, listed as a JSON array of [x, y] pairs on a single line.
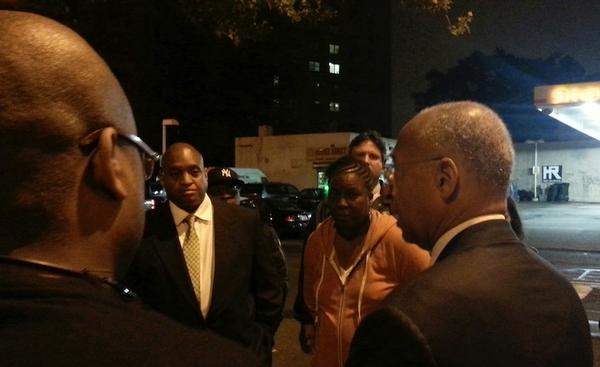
[[54, 89], [452, 162], [467, 131], [183, 176]]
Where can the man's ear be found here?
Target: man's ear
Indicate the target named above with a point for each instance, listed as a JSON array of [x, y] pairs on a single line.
[[447, 178], [108, 168]]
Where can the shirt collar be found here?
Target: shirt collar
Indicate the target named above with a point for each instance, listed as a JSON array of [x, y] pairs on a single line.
[[376, 191], [443, 241], [204, 212]]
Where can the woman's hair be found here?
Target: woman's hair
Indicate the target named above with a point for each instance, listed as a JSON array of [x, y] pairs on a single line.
[[348, 164]]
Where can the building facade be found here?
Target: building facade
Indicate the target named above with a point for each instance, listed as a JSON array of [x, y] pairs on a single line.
[[576, 163], [299, 159]]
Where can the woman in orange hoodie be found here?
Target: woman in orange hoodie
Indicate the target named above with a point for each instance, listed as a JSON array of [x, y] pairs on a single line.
[[352, 261]]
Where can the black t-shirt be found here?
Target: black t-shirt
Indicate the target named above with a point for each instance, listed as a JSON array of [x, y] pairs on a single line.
[[54, 317]]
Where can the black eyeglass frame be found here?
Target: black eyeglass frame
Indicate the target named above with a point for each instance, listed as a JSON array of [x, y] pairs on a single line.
[[148, 156]]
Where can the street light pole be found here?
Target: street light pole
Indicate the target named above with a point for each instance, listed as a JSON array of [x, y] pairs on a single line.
[[165, 123], [536, 169]]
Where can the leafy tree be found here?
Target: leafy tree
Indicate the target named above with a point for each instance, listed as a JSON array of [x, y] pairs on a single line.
[[251, 19], [457, 27], [506, 83]]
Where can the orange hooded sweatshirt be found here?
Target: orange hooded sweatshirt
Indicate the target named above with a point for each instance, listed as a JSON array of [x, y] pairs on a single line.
[[338, 302]]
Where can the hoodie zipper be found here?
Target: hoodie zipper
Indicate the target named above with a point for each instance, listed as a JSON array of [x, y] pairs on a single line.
[[340, 323]]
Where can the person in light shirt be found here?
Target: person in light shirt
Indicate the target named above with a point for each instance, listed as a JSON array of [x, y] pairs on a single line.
[[206, 263], [352, 261], [487, 299]]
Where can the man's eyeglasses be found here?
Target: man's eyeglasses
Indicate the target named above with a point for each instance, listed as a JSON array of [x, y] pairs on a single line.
[[148, 156]]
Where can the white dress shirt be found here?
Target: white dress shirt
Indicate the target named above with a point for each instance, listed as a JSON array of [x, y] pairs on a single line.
[[376, 191], [443, 241], [205, 229]]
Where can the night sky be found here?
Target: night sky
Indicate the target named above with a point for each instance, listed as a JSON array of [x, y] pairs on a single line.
[[139, 50], [525, 28]]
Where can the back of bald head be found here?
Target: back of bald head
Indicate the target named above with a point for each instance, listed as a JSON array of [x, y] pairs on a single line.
[[472, 133], [52, 80], [175, 150], [53, 90]]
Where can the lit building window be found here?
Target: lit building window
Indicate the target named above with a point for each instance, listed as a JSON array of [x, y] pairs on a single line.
[[334, 49], [334, 68], [314, 66], [334, 106], [275, 80]]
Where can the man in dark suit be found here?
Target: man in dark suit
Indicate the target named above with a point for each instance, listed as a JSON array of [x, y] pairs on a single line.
[[487, 300], [206, 263], [71, 213]]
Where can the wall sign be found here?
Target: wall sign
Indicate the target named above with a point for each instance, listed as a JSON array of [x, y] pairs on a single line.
[[551, 174]]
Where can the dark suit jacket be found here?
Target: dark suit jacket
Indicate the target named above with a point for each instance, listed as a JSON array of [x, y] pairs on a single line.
[[488, 301], [248, 292]]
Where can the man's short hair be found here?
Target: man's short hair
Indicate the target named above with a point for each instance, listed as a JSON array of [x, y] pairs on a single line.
[[370, 135], [477, 134]]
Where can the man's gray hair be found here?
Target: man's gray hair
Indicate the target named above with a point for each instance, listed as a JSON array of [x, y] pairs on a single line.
[[475, 133]]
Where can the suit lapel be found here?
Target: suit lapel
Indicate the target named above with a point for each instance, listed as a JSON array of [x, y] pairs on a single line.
[[224, 241], [170, 252]]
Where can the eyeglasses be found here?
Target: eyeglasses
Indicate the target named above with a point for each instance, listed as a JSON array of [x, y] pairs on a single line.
[[148, 156]]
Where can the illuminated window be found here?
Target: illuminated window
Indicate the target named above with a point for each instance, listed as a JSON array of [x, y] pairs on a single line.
[[334, 68], [334, 106], [275, 80], [334, 49], [314, 66]]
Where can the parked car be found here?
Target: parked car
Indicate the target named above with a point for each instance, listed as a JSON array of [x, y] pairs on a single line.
[[284, 216], [270, 190], [155, 194], [309, 199]]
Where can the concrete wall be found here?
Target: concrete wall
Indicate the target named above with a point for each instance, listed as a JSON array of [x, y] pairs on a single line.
[[580, 167], [293, 158]]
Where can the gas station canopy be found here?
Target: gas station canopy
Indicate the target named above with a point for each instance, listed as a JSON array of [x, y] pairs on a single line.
[[576, 105]]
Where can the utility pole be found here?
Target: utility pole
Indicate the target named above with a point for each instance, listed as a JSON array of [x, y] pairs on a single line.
[[165, 123]]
